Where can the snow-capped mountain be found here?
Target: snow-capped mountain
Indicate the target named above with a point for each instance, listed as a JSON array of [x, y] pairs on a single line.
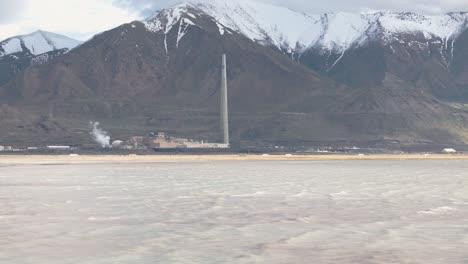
[[19, 52], [37, 43], [295, 32]]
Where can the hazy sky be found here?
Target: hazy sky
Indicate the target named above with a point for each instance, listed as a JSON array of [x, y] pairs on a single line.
[[83, 18]]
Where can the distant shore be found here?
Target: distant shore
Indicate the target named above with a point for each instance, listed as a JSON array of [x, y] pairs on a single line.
[[70, 159]]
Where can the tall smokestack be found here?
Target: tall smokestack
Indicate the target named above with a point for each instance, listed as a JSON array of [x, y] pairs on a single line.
[[224, 103]]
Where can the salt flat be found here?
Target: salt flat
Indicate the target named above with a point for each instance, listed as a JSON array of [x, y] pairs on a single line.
[[234, 211]]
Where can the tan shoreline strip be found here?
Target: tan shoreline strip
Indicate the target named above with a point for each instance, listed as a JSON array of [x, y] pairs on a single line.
[[6, 159]]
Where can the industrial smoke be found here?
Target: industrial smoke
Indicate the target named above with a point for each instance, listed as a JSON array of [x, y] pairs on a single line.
[[100, 136]]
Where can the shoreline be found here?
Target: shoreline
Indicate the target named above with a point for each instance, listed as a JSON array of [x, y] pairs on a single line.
[[50, 159]]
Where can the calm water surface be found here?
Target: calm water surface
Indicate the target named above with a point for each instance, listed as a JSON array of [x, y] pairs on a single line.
[[235, 212]]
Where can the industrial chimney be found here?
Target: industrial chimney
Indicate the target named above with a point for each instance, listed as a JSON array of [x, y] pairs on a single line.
[[224, 117]]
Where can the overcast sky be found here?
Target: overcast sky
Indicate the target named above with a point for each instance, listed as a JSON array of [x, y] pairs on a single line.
[[83, 18]]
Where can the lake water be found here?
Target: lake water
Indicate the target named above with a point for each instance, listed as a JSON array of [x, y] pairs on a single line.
[[235, 212]]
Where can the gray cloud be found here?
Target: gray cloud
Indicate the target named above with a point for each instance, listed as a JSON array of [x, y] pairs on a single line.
[[146, 7], [419, 6], [10, 10]]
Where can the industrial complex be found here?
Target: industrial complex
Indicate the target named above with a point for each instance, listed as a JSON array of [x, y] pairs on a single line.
[[161, 141]]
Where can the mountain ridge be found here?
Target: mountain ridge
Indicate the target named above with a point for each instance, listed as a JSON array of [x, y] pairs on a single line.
[[296, 32]]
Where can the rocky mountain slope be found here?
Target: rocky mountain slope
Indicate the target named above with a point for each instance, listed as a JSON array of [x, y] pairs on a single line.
[[294, 79]]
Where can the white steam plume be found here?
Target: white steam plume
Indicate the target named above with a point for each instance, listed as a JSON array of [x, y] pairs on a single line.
[[100, 136]]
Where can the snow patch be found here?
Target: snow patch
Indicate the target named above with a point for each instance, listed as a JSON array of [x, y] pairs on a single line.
[[340, 30], [260, 22], [221, 28], [441, 26], [334, 64], [12, 46]]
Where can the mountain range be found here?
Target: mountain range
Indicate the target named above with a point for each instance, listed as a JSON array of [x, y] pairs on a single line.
[[379, 79]]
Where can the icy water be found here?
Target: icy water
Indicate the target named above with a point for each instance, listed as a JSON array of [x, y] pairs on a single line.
[[235, 212]]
